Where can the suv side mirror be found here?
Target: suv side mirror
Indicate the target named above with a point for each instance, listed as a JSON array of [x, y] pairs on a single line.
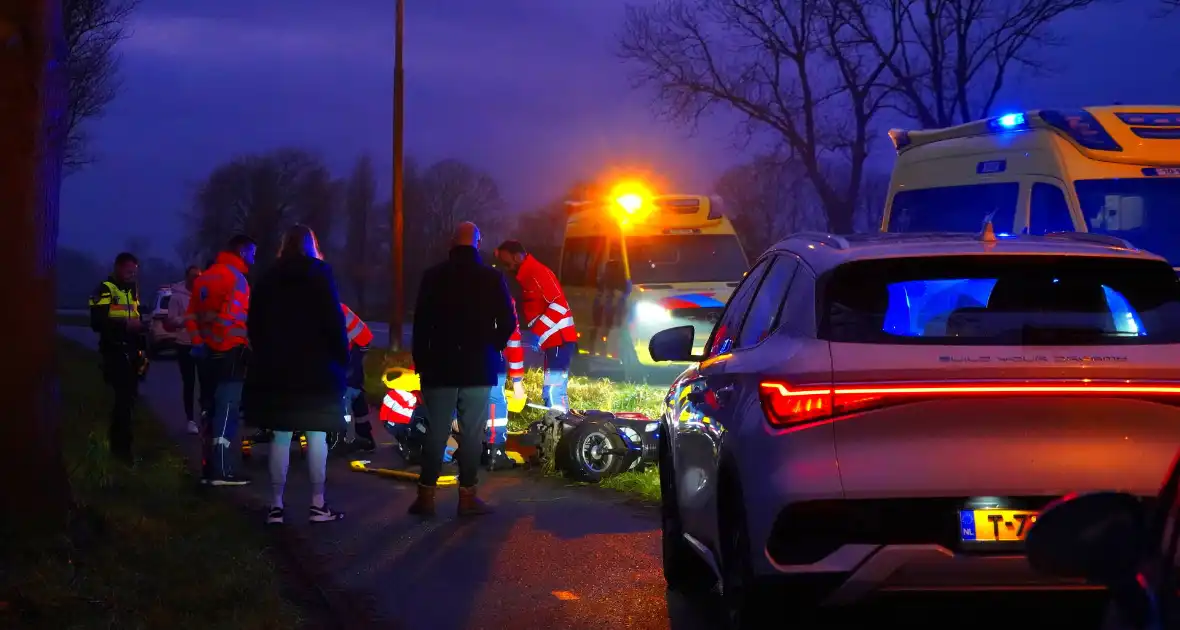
[[673, 344], [1100, 537]]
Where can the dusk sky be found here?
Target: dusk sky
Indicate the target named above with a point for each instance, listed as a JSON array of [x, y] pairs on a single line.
[[529, 90]]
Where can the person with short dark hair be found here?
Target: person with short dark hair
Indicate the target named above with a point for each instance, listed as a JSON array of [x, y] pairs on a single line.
[[462, 321], [114, 315], [547, 316], [177, 314], [220, 302]]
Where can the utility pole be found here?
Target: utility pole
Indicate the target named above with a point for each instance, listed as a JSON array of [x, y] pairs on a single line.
[[397, 298]]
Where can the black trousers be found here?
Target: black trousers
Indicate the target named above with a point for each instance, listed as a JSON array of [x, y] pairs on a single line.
[[442, 403], [121, 374], [188, 378]]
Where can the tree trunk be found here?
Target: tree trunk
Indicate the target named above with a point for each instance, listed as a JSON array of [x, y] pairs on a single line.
[[35, 502], [840, 215]]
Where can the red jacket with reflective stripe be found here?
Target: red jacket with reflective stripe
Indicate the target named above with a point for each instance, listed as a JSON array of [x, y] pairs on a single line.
[[514, 352], [358, 332], [398, 406], [220, 303], [546, 311]]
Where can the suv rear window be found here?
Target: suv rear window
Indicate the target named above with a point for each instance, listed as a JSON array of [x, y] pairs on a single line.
[[1001, 300]]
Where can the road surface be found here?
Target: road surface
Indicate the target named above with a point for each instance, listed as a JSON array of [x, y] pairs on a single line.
[[552, 556]]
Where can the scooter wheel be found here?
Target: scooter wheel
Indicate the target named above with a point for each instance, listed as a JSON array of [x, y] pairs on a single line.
[[592, 451]]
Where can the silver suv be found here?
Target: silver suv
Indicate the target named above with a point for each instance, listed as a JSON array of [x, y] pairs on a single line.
[[889, 412]]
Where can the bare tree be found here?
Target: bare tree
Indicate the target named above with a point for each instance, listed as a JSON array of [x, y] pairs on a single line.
[[92, 30], [360, 199], [138, 244], [261, 195], [450, 192], [947, 60], [188, 251], [871, 205], [791, 66], [542, 231], [767, 200], [35, 507]]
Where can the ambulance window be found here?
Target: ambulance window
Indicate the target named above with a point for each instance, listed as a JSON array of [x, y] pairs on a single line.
[[1048, 210], [579, 260], [955, 208]]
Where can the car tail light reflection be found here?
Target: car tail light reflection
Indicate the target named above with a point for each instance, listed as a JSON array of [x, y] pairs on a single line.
[[786, 405]]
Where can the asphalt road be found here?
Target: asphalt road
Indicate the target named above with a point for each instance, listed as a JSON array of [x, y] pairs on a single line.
[[552, 556]]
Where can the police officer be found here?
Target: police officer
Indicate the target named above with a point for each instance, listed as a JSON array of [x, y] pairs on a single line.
[[114, 315]]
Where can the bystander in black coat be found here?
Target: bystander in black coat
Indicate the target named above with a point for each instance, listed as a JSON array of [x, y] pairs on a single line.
[[462, 321], [296, 377]]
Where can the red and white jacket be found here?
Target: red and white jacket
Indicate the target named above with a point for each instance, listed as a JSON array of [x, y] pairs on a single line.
[[546, 311], [398, 406], [514, 353]]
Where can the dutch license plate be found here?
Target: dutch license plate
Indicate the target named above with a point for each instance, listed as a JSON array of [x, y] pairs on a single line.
[[995, 525]]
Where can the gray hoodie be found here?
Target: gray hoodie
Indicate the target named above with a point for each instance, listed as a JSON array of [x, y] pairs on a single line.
[[177, 308]]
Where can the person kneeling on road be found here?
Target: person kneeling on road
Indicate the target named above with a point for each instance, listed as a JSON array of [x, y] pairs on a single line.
[[462, 321], [356, 409], [511, 368]]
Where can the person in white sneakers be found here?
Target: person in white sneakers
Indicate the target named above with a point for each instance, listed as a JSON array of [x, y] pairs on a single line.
[[295, 382], [182, 292]]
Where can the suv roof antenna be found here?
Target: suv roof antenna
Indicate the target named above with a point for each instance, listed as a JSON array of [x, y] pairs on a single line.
[[988, 234]]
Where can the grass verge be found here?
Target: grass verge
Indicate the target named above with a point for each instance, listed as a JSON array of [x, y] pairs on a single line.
[[585, 393], [158, 555]]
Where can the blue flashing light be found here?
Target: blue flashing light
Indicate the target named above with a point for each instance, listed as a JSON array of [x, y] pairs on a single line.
[[1010, 121]]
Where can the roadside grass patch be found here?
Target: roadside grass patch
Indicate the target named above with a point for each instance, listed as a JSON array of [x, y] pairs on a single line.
[[157, 554], [644, 484], [584, 393]]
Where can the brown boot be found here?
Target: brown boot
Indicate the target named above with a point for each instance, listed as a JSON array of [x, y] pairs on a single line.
[[424, 504], [471, 505]]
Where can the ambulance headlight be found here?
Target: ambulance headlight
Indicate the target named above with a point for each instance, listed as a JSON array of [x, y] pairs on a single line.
[[652, 313]]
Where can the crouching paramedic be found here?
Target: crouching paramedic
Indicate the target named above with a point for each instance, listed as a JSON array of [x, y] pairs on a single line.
[[404, 418], [359, 339], [219, 305], [547, 314], [511, 369], [114, 315]]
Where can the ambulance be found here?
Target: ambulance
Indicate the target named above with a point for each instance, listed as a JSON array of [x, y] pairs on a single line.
[[1111, 170], [635, 264]]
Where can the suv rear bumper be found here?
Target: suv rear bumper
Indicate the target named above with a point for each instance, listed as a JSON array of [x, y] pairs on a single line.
[[869, 547], [868, 570]]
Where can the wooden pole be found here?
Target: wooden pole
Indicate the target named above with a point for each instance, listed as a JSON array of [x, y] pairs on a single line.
[[397, 299]]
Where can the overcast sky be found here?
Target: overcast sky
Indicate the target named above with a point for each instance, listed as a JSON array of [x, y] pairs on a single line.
[[529, 90]]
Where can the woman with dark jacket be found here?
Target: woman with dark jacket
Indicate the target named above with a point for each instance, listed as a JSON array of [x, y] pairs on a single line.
[[295, 380]]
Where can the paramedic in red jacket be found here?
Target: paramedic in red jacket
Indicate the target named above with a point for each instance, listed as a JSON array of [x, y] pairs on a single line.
[[547, 315], [511, 370]]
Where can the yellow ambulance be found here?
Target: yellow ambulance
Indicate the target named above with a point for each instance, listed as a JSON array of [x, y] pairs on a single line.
[[1111, 170], [635, 264]]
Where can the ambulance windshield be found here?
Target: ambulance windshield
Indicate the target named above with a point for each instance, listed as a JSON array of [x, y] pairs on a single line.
[[675, 258]]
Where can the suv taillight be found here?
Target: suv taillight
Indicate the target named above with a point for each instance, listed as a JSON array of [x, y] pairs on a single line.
[[787, 406], [784, 406]]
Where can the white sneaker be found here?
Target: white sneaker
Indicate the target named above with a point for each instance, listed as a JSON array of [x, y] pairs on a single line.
[[193, 429]]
